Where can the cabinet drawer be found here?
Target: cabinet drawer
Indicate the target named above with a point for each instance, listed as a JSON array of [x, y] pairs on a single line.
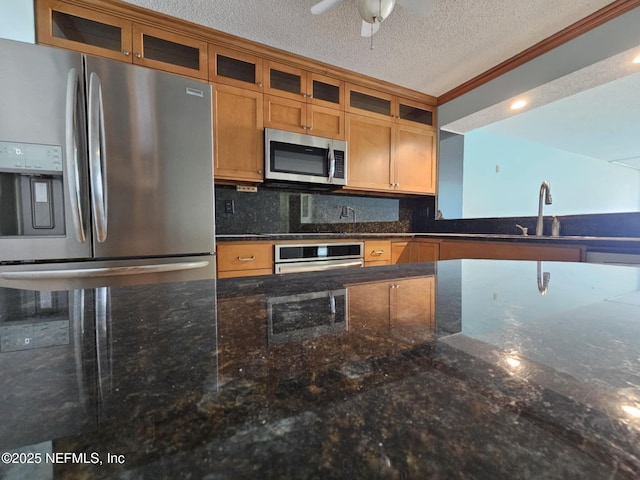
[[249, 256], [377, 250]]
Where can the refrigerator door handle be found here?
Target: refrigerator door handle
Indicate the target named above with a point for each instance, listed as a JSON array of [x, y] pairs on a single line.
[[101, 271], [97, 157], [71, 164]]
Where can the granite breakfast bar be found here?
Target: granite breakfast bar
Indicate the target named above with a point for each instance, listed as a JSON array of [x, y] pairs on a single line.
[[454, 369]]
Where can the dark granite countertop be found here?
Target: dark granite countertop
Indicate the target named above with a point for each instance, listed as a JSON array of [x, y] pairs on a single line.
[[595, 242], [466, 369]]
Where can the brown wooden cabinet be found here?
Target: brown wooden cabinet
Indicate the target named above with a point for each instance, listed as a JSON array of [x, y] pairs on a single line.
[[369, 149], [96, 33], [238, 134], [305, 102], [414, 251], [235, 68], [405, 308], [244, 259], [456, 249], [391, 143]]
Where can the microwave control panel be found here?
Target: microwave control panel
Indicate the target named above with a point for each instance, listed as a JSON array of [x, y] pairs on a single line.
[[339, 157]]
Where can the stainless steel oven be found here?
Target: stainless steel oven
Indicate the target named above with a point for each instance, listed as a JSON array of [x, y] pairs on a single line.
[[309, 257]]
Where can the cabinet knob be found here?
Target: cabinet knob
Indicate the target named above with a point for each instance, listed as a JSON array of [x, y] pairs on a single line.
[[126, 52], [259, 84], [260, 172], [138, 55]]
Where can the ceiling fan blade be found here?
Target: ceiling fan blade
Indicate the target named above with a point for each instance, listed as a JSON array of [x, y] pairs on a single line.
[[368, 29], [421, 8], [324, 6]]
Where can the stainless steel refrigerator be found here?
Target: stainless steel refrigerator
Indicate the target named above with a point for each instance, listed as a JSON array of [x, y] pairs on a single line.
[[106, 172]]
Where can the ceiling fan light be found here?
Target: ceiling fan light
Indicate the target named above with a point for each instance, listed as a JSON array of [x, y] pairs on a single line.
[[375, 11]]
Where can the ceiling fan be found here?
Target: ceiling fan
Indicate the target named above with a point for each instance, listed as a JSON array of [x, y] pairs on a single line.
[[374, 12]]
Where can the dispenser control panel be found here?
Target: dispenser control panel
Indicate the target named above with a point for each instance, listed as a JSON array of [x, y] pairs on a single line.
[[30, 157]]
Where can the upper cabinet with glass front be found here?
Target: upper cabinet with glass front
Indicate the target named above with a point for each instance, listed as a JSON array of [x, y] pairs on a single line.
[[235, 68], [303, 101], [95, 33]]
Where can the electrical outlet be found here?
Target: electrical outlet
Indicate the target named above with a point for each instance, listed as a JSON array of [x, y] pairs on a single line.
[[345, 211], [229, 206]]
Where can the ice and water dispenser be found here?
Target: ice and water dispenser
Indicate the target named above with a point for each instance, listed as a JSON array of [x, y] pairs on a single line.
[[31, 191]]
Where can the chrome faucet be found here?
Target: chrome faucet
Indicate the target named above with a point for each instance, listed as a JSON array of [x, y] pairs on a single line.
[[546, 190]]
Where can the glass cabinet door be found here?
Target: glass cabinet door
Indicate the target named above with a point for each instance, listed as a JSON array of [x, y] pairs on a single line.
[[325, 91], [416, 114], [83, 30], [162, 50], [368, 102], [235, 68], [285, 81]]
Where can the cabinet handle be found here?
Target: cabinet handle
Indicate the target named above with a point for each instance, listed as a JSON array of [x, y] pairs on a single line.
[[247, 259], [138, 55], [377, 252], [126, 52]]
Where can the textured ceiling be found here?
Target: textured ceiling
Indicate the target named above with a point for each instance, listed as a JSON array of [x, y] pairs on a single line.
[[457, 41]]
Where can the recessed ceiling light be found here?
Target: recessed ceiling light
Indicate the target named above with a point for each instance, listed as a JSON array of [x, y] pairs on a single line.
[[518, 104]]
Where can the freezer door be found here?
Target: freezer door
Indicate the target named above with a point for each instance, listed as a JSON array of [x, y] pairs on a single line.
[[151, 164], [42, 144]]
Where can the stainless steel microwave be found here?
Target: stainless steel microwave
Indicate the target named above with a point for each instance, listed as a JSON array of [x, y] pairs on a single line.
[[296, 157]]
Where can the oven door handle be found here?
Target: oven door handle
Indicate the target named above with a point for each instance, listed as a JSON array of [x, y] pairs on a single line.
[[311, 267]]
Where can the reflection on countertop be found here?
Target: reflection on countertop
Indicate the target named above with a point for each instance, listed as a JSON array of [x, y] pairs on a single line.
[[454, 369]]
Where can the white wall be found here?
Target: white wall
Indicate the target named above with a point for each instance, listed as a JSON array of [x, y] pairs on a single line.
[[17, 20], [502, 177]]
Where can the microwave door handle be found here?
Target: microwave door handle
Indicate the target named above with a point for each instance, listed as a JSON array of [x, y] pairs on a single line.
[[332, 164], [71, 157], [97, 157]]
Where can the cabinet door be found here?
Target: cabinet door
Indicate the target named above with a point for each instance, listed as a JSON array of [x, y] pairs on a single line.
[[426, 251], [412, 308], [369, 142], [401, 252], [235, 68], [325, 91], [162, 50], [414, 160], [285, 81], [238, 134], [369, 307], [83, 30], [285, 114], [371, 103], [325, 122], [416, 114]]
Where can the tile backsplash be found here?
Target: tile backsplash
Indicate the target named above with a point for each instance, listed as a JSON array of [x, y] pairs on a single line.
[[272, 210]]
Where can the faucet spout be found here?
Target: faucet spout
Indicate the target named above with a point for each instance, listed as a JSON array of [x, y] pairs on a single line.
[[545, 190]]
